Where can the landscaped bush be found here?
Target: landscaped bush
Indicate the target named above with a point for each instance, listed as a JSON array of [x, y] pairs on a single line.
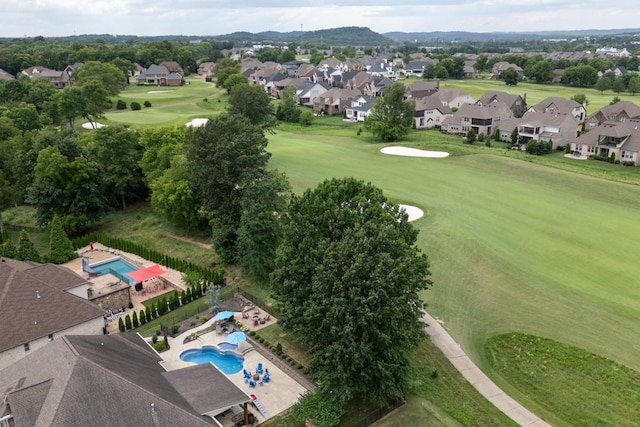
[[135, 106], [143, 317], [127, 322], [134, 320], [278, 349], [121, 105], [147, 104], [160, 346], [154, 338], [628, 163], [175, 329], [121, 325]]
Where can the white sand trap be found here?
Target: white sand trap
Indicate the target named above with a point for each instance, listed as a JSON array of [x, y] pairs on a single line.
[[92, 125], [197, 122], [413, 152], [414, 212], [159, 91]]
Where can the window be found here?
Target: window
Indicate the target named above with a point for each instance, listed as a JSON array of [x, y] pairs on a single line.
[[627, 155], [26, 347], [579, 147], [466, 119], [591, 149], [50, 337], [592, 125]]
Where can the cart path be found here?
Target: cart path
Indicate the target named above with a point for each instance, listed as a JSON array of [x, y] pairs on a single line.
[[477, 378], [187, 240]]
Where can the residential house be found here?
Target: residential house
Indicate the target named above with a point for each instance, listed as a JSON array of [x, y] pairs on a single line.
[[557, 75], [36, 308], [5, 76], [103, 381], [206, 69], [308, 91], [622, 111], [453, 98], [505, 128], [290, 67], [172, 67], [353, 65], [482, 119], [360, 108], [333, 63], [305, 72], [612, 51], [60, 79], [516, 103], [421, 88], [383, 68], [469, 70], [540, 126], [430, 112], [376, 86], [160, 76], [620, 139], [357, 81], [258, 76], [616, 70], [279, 85], [270, 81], [499, 67], [249, 65], [559, 105], [416, 68], [334, 101], [70, 68]]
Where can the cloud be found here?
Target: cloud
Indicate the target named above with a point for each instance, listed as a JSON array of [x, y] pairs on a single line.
[[213, 17]]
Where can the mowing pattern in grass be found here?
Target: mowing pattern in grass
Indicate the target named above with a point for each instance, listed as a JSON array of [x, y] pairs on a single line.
[[579, 387]]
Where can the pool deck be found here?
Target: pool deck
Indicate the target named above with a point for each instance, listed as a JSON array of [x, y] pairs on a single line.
[[279, 394]]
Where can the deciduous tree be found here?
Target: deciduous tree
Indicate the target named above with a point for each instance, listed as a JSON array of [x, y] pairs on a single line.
[[253, 102], [347, 280], [391, 117]]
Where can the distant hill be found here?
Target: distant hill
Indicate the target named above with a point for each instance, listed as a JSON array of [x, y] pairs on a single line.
[[398, 36], [354, 36]]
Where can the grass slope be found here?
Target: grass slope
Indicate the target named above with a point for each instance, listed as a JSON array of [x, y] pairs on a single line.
[[514, 246]]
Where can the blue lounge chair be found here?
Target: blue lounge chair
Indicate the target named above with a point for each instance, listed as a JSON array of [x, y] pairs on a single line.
[[252, 384], [259, 368], [247, 374], [265, 378]]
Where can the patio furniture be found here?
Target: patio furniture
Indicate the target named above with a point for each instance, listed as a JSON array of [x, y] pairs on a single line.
[[259, 368], [252, 384]]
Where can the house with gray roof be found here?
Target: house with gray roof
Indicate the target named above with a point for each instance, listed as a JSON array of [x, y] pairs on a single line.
[[482, 119], [102, 381], [559, 105], [430, 112], [620, 139], [5, 76], [36, 308], [421, 88], [60, 79], [499, 67], [308, 91], [383, 68], [453, 98], [377, 86], [558, 128], [159, 75], [334, 101], [516, 103], [622, 111], [360, 108]]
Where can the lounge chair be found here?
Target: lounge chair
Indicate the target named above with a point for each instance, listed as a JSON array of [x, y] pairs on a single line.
[[265, 378], [252, 384], [259, 368], [246, 373]]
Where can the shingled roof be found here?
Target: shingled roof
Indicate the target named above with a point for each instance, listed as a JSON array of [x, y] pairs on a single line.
[[102, 381], [33, 304]]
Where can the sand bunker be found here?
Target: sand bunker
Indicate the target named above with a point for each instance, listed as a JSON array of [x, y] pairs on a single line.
[[197, 122], [413, 152], [413, 211], [158, 91], [92, 125]]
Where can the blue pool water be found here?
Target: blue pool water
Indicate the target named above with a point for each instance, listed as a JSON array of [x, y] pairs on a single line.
[[226, 362], [227, 346], [118, 265]]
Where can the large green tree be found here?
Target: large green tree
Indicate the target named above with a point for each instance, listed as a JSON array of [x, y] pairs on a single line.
[[159, 146], [60, 247], [580, 76], [225, 156], [253, 102], [391, 117], [113, 79], [71, 188], [26, 251], [347, 279], [287, 110], [510, 76]]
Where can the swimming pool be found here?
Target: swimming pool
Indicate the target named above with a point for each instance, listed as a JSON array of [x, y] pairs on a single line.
[[227, 362], [116, 266], [227, 346]]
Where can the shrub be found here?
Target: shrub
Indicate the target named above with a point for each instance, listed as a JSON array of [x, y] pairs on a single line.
[[121, 324], [154, 338], [567, 148], [612, 158], [192, 323], [147, 104], [203, 319], [121, 105], [135, 106], [299, 366], [60, 247], [160, 346], [205, 100], [487, 143], [175, 329], [306, 118], [143, 317], [127, 322], [434, 374], [278, 348], [627, 163], [166, 341], [135, 320], [359, 131]]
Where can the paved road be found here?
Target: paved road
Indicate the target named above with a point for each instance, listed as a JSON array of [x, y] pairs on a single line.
[[477, 378]]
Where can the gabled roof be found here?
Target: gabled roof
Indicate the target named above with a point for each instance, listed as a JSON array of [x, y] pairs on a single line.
[[556, 104], [102, 381], [421, 85], [32, 308], [628, 107], [449, 94], [497, 96], [476, 111], [431, 103], [156, 69], [59, 277], [276, 77], [5, 76], [629, 130], [172, 67], [305, 70], [541, 118]]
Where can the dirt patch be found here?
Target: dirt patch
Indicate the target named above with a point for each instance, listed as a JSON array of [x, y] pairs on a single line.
[[188, 240]]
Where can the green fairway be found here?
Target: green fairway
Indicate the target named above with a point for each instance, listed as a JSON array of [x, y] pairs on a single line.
[[514, 246], [169, 105]]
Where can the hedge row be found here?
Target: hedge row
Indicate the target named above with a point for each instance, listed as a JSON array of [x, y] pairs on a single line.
[[215, 277], [277, 349]]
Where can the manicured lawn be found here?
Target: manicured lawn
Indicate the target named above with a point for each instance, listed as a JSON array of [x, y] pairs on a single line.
[[514, 245], [595, 391], [169, 105]]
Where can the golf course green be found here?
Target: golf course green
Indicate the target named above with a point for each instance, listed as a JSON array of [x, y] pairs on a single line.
[[514, 246]]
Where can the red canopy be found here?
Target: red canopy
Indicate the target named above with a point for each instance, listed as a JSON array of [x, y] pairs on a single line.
[[143, 274]]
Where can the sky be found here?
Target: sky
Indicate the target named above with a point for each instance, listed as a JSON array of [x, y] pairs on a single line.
[[19, 18]]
